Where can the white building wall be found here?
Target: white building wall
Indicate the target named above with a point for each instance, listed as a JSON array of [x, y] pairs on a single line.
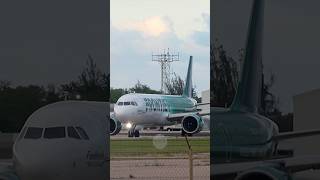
[[306, 116]]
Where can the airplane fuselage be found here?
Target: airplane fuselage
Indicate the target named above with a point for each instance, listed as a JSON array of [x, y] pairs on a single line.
[[242, 135], [151, 109], [63, 141]]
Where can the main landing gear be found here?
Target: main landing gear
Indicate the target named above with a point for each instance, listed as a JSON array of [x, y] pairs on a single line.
[[133, 132]]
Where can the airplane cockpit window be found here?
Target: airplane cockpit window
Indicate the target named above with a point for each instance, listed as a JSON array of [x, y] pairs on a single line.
[[23, 131], [54, 132], [33, 133], [82, 133], [72, 133], [134, 103], [126, 103], [120, 103]]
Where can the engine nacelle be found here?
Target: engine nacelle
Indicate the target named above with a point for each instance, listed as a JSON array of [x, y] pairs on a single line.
[[192, 124], [264, 173], [115, 126]]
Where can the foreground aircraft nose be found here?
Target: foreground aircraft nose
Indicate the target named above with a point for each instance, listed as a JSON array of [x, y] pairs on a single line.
[[28, 168], [125, 113]]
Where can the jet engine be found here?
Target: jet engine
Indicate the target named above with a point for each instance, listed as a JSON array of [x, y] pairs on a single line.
[[264, 173], [115, 126], [192, 124]]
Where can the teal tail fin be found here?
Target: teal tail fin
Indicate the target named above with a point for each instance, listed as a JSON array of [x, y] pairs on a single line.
[[187, 90], [248, 95]]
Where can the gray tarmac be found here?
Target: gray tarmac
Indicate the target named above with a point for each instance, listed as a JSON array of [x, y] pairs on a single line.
[[152, 133]]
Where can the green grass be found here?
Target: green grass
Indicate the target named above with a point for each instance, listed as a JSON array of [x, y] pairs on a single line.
[[145, 147]]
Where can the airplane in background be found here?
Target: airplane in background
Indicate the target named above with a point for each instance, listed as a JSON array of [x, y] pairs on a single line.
[[244, 144], [62, 141], [136, 110]]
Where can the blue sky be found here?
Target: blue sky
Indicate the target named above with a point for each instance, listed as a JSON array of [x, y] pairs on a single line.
[[142, 27]]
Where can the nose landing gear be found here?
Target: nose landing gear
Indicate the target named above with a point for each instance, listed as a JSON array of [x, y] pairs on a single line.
[[133, 132]]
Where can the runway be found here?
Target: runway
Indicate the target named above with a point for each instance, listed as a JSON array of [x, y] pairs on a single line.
[[152, 133]]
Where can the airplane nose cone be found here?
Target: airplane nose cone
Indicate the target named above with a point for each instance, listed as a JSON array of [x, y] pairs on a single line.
[[125, 114], [31, 163], [27, 168]]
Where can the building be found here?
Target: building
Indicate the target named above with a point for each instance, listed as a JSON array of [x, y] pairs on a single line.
[[306, 116]]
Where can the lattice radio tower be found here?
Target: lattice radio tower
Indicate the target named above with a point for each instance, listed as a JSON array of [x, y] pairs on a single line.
[[165, 59]]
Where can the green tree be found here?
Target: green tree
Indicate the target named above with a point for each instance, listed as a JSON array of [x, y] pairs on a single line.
[[92, 84], [143, 88], [224, 79], [175, 85], [224, 76], [116, 93]]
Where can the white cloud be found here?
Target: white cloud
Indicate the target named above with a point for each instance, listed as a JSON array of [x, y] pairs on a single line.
[[132, 45], [151, 26]]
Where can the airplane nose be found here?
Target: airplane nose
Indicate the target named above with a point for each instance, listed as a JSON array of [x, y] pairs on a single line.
[[41, 165], [29, 168], [125, 113]]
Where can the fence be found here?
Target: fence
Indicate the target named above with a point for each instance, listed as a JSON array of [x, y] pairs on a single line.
[[176, 160]]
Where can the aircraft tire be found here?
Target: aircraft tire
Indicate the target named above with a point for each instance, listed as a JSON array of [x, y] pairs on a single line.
[[136, 133]]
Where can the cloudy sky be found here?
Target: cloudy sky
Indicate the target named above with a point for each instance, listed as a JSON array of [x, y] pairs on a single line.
[[291, 41], [47, 42], [142, 27]]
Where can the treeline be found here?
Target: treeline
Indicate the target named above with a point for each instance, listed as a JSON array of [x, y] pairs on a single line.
[[116, 93], [173, 87], [18, 103]]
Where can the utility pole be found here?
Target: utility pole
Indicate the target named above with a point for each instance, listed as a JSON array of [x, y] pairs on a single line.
[[165, 59]]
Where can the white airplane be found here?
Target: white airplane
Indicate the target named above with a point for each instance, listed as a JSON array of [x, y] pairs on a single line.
[[62, 141], [150, 110]]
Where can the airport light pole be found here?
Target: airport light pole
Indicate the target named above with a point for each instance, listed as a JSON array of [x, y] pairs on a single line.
[[165, 59]]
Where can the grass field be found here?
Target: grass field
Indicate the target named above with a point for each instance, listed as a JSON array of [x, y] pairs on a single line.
[[145, 147]]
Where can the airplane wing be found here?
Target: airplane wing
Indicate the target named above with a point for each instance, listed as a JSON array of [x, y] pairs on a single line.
[[178, 116], [296, 134], [201, 104], [285, 165]]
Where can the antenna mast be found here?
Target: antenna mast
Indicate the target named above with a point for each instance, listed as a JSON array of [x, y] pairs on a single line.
[[165, 59]]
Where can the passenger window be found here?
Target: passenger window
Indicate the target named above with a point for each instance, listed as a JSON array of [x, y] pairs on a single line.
[[33, 133], [120, 103], [82, 133], [126, 103], [72, 133], [54, 133]]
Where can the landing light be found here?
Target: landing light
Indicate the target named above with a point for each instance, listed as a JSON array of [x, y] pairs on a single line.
[[128, 125]]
